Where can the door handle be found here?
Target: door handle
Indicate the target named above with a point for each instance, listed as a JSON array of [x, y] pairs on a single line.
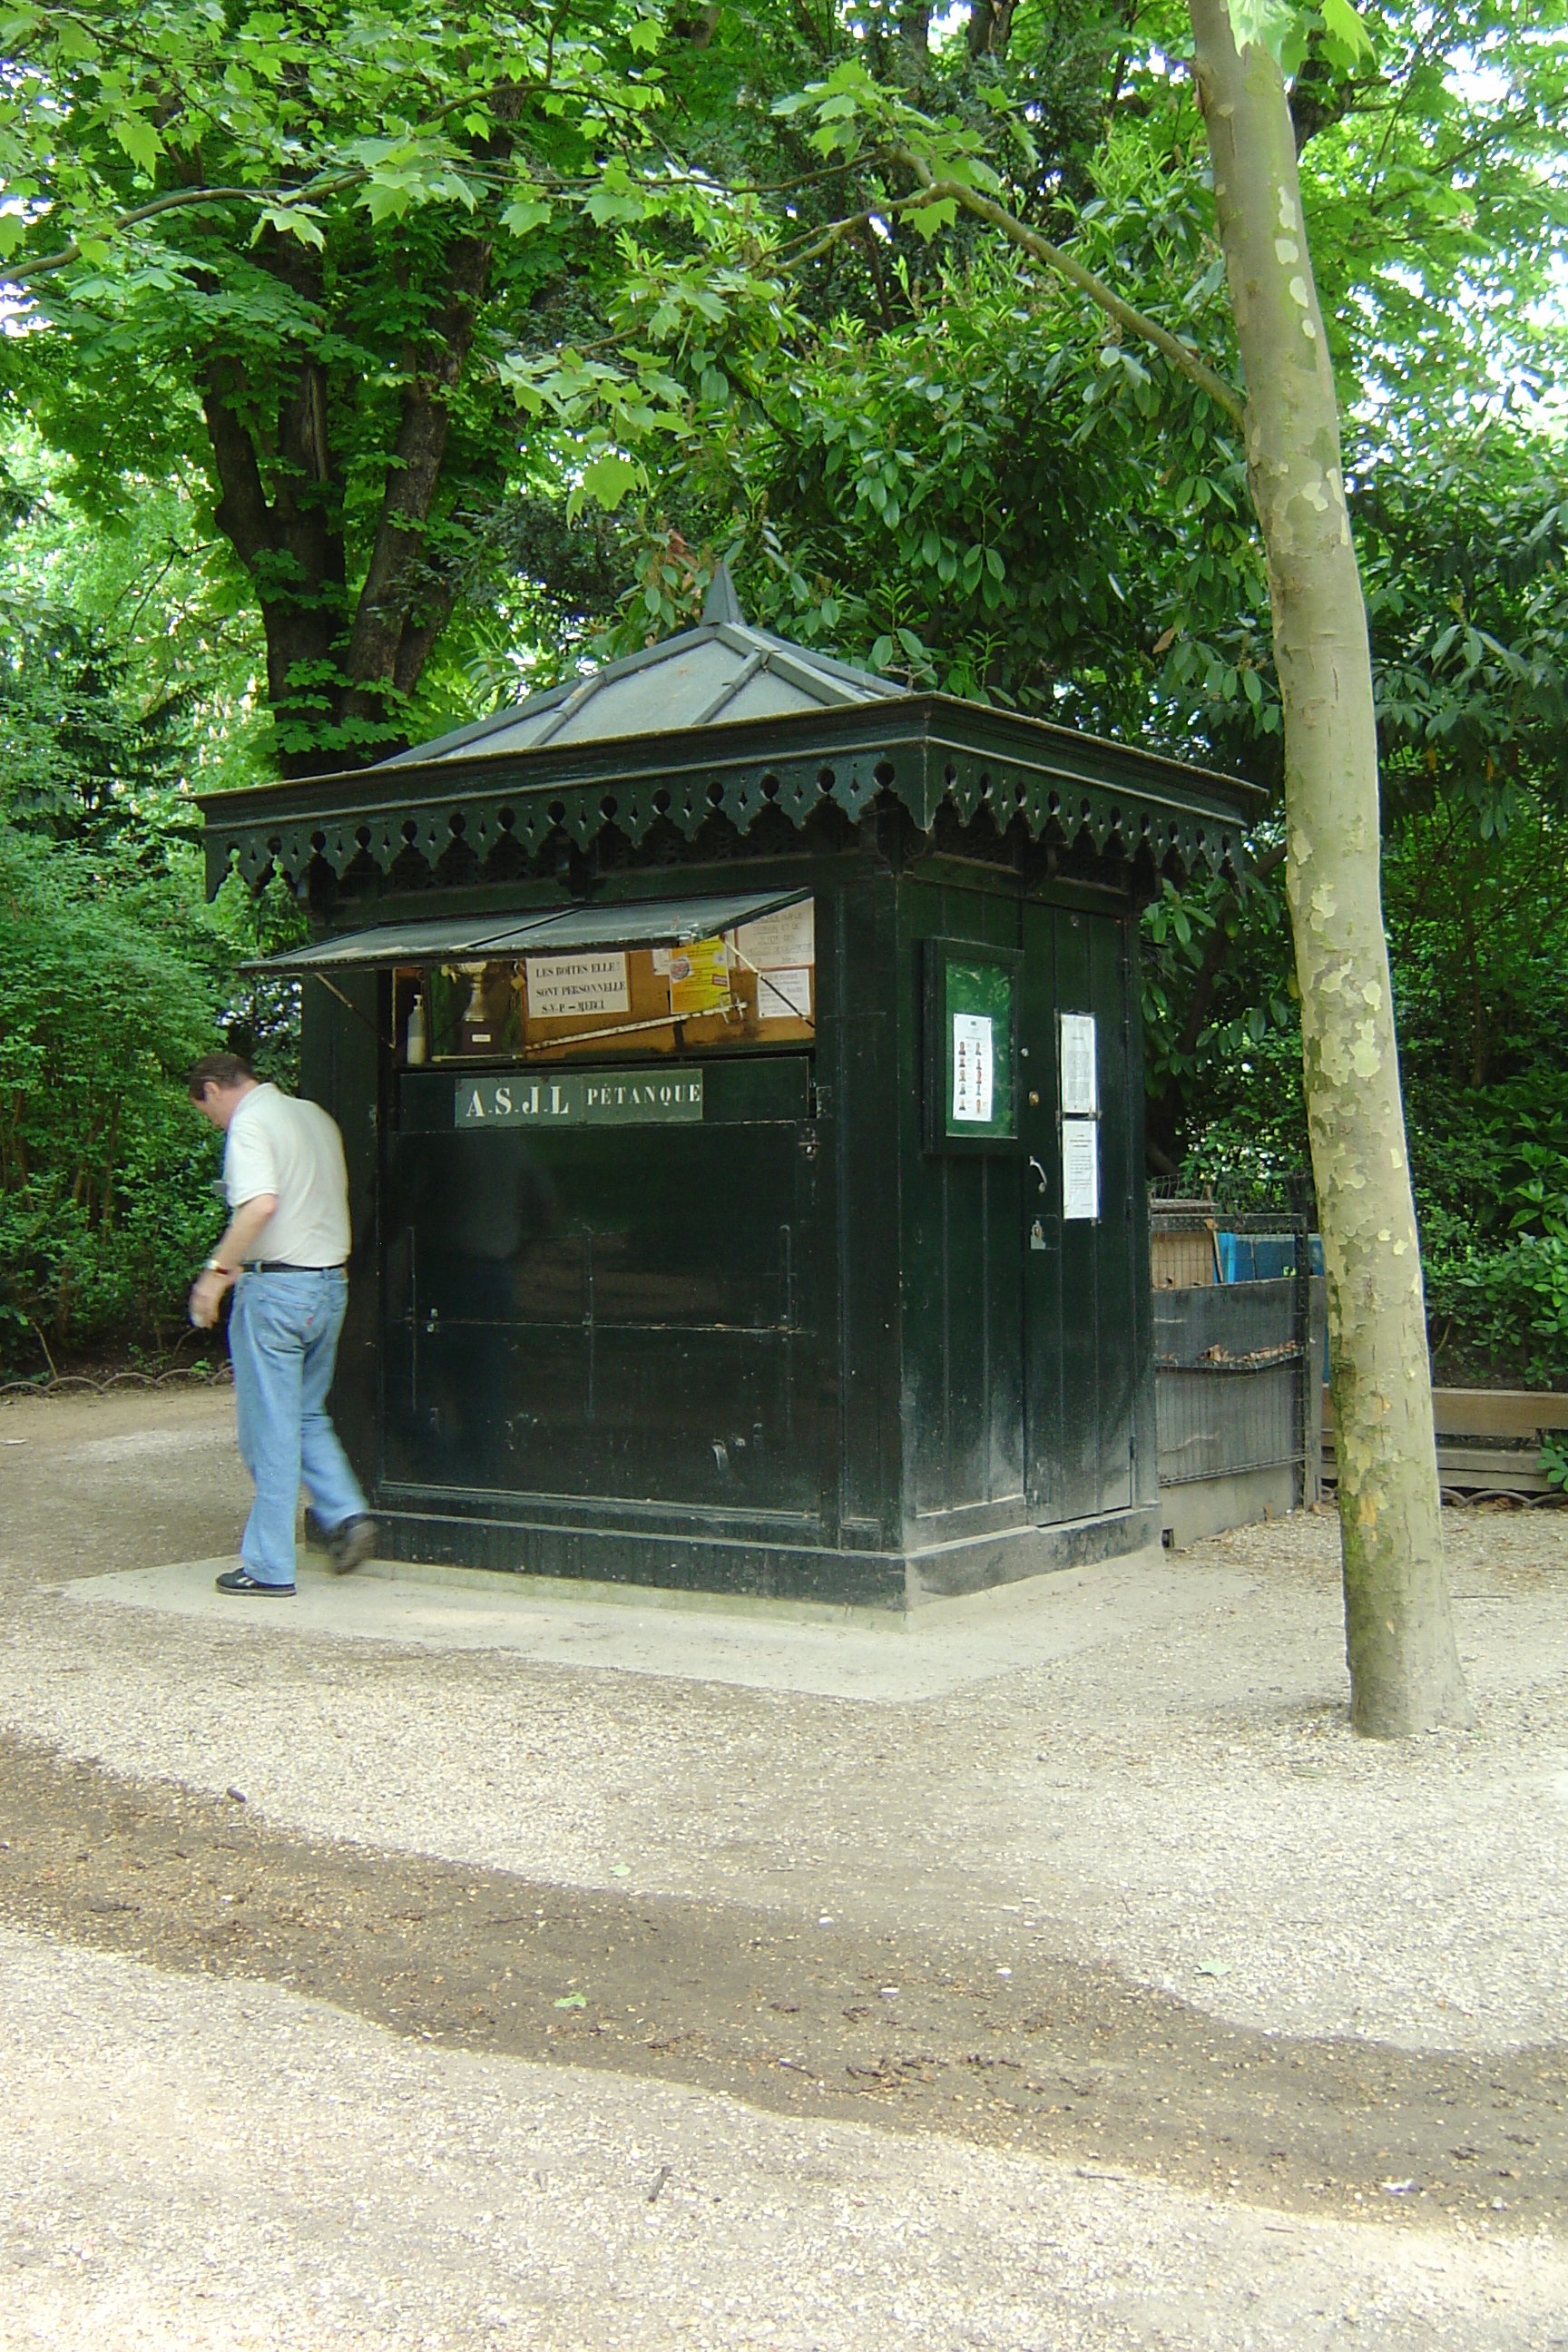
[[1045, 1181]]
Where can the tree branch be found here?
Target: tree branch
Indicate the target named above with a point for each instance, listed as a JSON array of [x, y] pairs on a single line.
[[375, 644], [1184, 360], [242, 513], [19, 273], [990, 27]]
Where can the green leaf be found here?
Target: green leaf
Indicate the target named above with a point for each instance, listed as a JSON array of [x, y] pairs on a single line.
[[523, 214], [74, 39], [139, 139], [386, 200], [608, 478], [606, 205], [927, 219], [292, 220], [573, 2000], [1346, 30], [1258, 22]]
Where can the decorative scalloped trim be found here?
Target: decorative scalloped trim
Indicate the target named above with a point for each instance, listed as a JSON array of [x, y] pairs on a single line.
[[1065, 815]]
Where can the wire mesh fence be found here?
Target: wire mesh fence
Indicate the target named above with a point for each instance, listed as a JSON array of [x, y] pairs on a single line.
[[1234, 1382]]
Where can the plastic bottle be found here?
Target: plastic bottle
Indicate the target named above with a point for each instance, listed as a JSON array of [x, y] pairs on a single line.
[[415, 1054]]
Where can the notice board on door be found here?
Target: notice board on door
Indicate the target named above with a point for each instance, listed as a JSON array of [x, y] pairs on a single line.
[[971, 1046]]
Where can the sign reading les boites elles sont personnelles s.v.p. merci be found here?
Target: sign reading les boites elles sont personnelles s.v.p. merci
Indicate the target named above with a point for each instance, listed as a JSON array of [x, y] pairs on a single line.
[[579, 1099]]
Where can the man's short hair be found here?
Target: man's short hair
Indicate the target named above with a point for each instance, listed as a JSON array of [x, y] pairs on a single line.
[[224, 1070]]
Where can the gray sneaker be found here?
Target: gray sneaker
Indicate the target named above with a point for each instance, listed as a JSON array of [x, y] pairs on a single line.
[[352, 1544]]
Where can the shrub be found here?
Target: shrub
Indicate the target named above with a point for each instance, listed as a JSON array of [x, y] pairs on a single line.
[[110, 985]]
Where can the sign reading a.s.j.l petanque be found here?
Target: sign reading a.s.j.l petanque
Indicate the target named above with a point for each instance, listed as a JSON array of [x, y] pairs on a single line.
[[580, 1098]]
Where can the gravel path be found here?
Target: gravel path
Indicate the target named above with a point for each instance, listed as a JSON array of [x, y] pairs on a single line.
[[193, 2165], [1184, 1798]]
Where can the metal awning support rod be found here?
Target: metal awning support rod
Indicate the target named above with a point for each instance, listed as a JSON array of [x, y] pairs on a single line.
[[347, 1003]]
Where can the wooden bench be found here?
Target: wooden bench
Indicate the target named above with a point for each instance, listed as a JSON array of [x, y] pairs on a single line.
[[1489, 1440]]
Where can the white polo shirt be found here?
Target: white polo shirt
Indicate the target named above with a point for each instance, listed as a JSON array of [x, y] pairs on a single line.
[[277, 1143]]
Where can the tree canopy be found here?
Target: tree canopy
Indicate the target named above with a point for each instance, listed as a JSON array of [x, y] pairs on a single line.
[[411, 355], [395, 287]]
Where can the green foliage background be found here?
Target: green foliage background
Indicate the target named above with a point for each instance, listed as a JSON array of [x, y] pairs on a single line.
[[701, 315], [117, 677]]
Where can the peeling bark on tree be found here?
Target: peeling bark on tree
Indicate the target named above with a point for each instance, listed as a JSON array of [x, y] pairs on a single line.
[[1404, 1660]]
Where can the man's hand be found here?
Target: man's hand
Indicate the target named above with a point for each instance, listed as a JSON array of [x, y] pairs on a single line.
[[206, 1298], [245, 1228]]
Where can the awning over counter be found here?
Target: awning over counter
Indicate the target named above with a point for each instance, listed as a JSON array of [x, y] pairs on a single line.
[[470, 939]]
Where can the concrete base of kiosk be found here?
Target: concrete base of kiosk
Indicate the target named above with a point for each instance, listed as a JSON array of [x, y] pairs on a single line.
[[896, 1581]]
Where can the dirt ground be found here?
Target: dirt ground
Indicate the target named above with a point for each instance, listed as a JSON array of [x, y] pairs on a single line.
[[1074, 2063], [910, 2028]]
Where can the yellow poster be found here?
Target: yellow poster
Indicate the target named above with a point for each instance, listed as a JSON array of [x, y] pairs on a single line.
[[698, 979]]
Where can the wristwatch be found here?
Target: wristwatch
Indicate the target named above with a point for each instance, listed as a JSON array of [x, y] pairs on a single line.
[[212, 1266]]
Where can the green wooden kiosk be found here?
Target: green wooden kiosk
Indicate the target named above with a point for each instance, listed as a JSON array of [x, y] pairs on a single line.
[[739, 1061]]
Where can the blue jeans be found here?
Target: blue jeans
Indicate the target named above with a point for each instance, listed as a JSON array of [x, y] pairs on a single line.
[[283, 1340]]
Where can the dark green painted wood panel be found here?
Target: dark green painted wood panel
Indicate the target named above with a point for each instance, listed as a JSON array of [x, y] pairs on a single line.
[[628, 1314], [1042, 1264], [861, 1111], [1145, 1440], [962, 1297], [1079, 1266], [1082, 1313], [1116, 1317], [789, 1326]]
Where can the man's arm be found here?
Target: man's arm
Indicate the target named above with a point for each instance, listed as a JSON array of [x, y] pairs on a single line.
[[244, 1230]]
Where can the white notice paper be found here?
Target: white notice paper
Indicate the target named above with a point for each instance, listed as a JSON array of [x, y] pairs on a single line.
[[560, 986], [1081, 1071], [785, 994], [779, 941], [971, 1069], [1080, 1170]]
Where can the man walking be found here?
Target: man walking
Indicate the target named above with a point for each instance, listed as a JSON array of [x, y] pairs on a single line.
[[285, 1251]]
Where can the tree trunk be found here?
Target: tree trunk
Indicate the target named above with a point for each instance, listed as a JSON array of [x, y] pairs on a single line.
[[1403, 1661], [391, 622], [990, 27], [291, 549], [335, 676]]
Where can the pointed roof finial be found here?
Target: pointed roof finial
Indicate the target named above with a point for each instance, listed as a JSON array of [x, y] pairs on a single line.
[[722, 603]]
